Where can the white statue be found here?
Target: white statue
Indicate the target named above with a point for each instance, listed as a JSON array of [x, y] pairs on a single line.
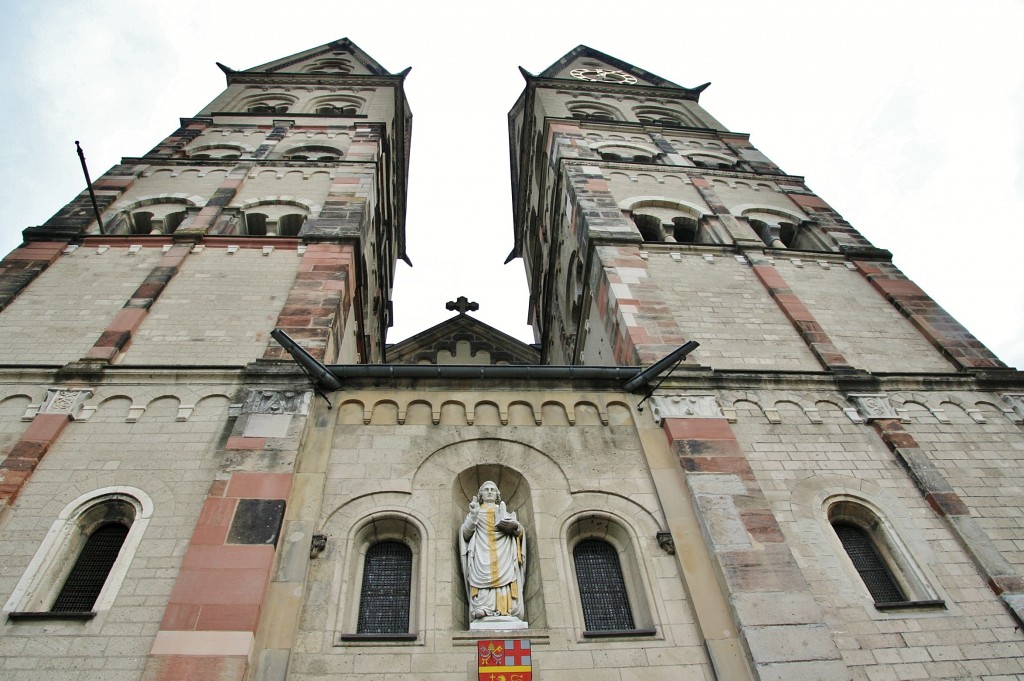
[[492, 546]]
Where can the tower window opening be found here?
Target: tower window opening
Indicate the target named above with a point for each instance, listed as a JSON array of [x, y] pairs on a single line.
[[314, 153], [263, 108], [331, 110], [650, 227], [142, 222], [684, 230], [256, 224], [289, 225]]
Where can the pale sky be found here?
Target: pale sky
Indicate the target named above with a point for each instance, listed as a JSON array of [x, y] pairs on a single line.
[[906, 117]]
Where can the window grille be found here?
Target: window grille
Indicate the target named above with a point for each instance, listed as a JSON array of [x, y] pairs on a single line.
[[387, 588], [91, 569], [869, 564], [602, 589]]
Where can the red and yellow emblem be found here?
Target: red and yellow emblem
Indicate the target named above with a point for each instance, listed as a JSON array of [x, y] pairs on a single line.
[[504, 660]]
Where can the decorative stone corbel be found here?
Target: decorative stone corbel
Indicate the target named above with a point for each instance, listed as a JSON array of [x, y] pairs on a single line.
[[1016, 404], [317, 545], [666, 543]]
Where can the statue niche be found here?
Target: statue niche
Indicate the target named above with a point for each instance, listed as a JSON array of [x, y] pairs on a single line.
[[492, 551]]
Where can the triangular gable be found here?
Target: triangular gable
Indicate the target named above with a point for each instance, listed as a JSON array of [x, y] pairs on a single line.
[[588, 60], [462, 340], [340, 53]]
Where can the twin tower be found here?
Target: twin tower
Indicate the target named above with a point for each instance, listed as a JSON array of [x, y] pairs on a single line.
[[828, 487]]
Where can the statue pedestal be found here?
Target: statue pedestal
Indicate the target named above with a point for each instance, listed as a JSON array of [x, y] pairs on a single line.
[[498, 624]]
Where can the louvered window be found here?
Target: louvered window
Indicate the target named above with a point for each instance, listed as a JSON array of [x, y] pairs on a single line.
[[602, 589], [387, 588], [869, 564], [91, 569]]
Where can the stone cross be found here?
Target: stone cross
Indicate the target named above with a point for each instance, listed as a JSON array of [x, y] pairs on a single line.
[[462, 304]]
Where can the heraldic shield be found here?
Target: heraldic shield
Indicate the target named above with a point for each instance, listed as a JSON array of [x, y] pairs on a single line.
[[504, 660]]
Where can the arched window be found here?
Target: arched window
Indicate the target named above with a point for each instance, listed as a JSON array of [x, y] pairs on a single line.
[[336, 66], [289, 225], [386, 591], [386, 600], [884, 565], [80, 565], [592, 111], [609, 579], [273, 218], [649, 115], [92, 567], [663, 220], [330, 110], [268, 108], [255, 224], [144, 222], [868, 563], [626, 154], [602, 588], [313, 153], [650, 227], [782, 230]]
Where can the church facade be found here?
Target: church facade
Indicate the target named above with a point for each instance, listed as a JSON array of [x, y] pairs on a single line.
[[828, 486]]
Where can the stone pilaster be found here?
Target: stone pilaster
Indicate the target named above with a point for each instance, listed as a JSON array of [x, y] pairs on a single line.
[[777, 618]]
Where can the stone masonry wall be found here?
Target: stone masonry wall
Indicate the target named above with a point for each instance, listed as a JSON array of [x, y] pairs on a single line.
[[219, 308], [804, 449], [410, 470], [722, 305], [59, 317], [979, 451], [864, 327], [155, 449]]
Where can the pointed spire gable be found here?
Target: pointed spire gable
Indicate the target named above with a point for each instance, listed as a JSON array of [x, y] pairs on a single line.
[[341, 57], [589, 65]]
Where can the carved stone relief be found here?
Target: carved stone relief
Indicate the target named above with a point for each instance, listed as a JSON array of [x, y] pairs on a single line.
[[686, 407], [64, 401], [874, 406]]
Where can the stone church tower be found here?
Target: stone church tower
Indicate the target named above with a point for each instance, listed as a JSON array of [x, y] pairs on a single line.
[[828, 487]]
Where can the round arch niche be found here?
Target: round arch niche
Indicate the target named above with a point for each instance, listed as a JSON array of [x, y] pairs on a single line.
[[515, 492]]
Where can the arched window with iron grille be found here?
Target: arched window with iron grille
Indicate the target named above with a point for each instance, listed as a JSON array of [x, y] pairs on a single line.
[[387, 589], [602, 588], [869, 564], [84, 582]]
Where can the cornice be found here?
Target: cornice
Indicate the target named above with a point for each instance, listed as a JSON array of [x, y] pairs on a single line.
[[264, 77], [605, 88], [689, 170]]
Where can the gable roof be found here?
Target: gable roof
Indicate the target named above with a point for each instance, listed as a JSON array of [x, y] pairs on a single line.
[[343, 46], [582, 53], [440, 345]]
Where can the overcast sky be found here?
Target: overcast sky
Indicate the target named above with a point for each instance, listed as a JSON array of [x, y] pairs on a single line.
[[906, 117]]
